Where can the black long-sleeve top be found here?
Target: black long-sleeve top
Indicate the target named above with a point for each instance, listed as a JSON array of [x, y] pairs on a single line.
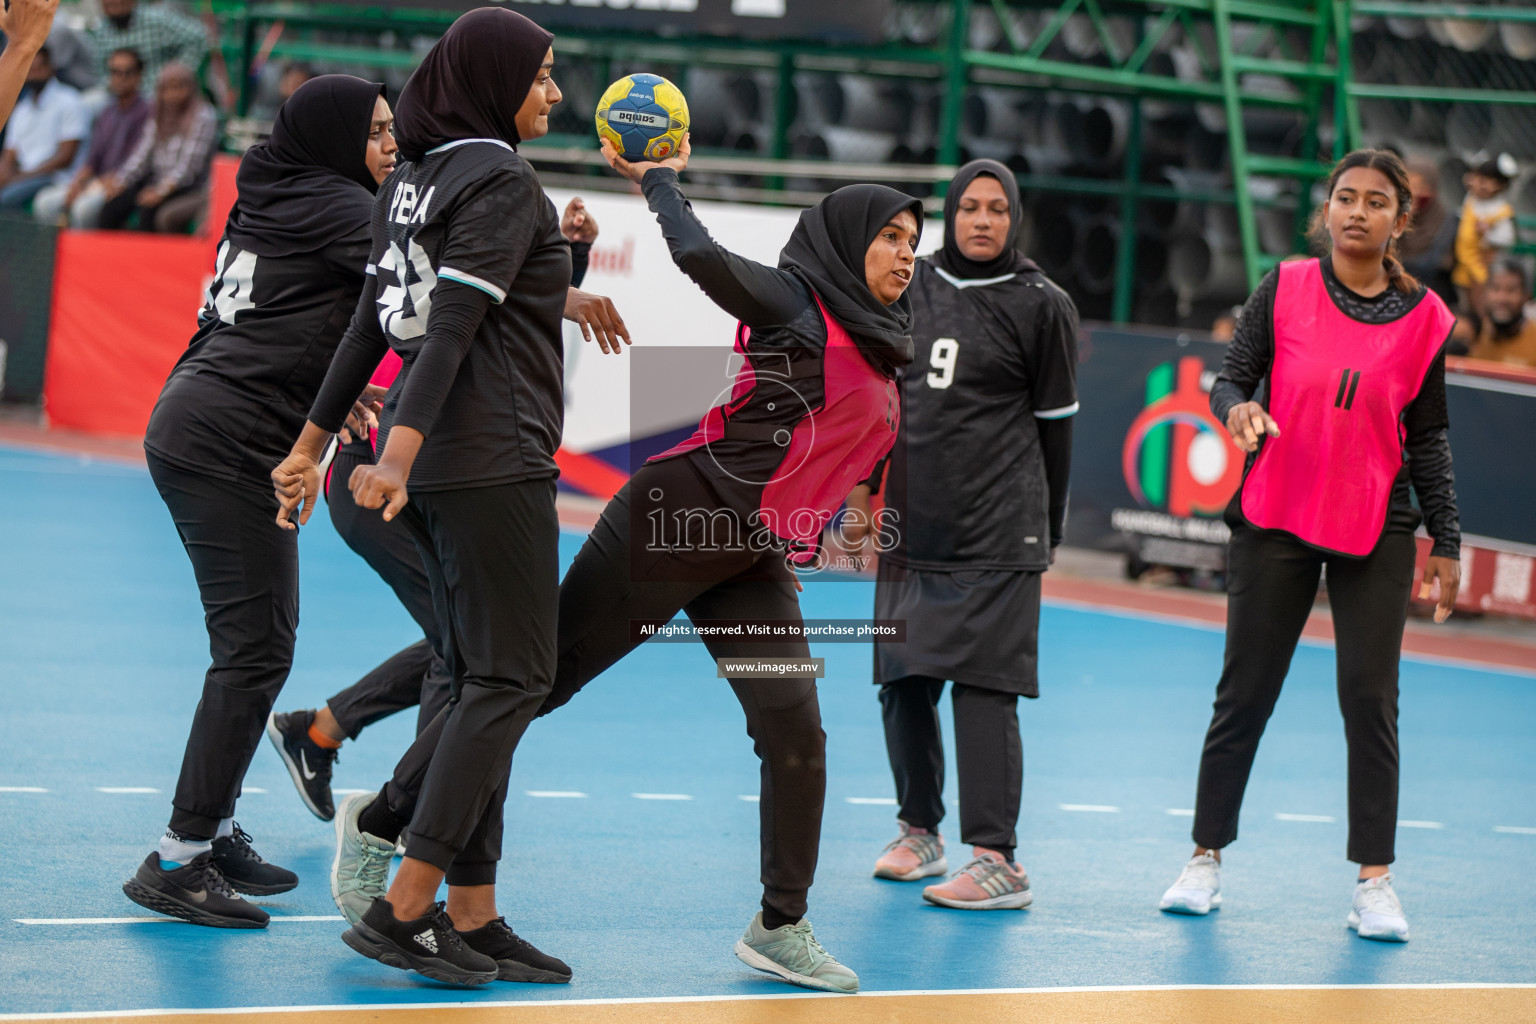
[[759, 296], [1427, 449]]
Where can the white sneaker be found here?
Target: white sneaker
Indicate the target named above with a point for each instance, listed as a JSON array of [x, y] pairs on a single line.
[[1376, 913], [1198, 890]]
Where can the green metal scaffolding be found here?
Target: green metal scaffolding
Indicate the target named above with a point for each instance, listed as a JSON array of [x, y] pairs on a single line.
[[1307, 44]]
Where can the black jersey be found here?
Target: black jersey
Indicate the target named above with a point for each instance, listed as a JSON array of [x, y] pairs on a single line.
[[966, 476], [473, 212], [238, 396]]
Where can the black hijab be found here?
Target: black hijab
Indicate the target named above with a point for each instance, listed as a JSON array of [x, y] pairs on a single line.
[[1009, 261], [309, 184], [472, 83], [827, 250]]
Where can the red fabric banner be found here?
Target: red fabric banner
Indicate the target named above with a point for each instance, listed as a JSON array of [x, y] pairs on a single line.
[[124, 305]]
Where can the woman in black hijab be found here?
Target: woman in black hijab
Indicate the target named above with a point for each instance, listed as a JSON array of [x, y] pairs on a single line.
[[290, 268], [472, 276], [715, 526], [976, 503]]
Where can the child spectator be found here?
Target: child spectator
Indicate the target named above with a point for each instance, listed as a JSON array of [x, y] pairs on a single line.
[[114, 136], [43, 136], [1487, 226], [164, 177]]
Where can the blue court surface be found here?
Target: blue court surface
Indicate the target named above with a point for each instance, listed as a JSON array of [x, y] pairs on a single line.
[[631, 845]]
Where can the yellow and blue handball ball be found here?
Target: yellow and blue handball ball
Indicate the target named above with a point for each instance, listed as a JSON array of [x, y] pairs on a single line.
[[644, 116]]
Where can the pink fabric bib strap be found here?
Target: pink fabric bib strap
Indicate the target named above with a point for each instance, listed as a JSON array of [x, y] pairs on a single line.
[[827, 449], [1338, 389]]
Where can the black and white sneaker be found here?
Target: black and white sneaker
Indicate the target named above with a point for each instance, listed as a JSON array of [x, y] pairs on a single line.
[[244, 869], [308, 763], [427, 945], [516, 958], [195, 892]]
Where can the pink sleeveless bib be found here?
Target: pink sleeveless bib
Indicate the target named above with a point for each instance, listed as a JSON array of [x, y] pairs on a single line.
[[1338, 389], [827, 450]]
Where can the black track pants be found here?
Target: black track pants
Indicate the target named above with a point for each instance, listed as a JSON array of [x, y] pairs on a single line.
[[492, 556], [1272, 582], [612, 585], [247, 571], [417, 675], [988, 752]]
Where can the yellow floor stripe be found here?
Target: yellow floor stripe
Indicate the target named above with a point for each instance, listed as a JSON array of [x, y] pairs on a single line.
[[1177, 1006]]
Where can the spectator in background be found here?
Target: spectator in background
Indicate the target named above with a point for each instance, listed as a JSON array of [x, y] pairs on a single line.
[[114, 136], [1506, 335], [164, 177], [1427, 248], [1487, 226], [43, 137], [293, 76], [158, 34], [25, 24], [74, 58]]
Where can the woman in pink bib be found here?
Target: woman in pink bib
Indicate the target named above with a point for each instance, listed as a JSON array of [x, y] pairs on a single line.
[[1349, 351]]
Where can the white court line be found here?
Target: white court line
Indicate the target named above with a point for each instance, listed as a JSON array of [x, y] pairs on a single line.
[[345, 792], [22, 789], [1408, 823], [297, 918], [661, 796], [1182, 812], [880, 801], [555, 794], [126, 789], [251, 789], [1515, 830], [1091, 808], [750, 798], [1453, 986], [1321, 819]]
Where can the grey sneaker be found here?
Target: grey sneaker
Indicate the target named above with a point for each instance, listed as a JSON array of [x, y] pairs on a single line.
[[1377, 913], [792, 953], [916, 853], [360, 872]]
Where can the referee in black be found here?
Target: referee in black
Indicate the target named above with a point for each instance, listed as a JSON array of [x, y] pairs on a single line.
[[976, 501]]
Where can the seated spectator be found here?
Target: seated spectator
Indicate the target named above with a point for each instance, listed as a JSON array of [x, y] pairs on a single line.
[[158, 34], [43, 137], [164, 178], [114, 136], [1507, 334], [1427, 247], [1487, 227], [74, 58]]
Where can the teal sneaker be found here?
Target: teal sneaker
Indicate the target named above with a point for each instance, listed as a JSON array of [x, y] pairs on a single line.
[[360, 872], [792, 953]]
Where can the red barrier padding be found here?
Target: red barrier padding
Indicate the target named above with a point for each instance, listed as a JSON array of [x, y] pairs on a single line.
[[124, 306]]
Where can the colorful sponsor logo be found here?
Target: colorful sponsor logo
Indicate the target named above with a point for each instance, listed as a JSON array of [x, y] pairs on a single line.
[[1177, 456]]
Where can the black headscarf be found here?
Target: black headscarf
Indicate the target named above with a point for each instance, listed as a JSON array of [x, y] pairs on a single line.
[[827, 251], [1009, 261], [472, 83], [309, 184]]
